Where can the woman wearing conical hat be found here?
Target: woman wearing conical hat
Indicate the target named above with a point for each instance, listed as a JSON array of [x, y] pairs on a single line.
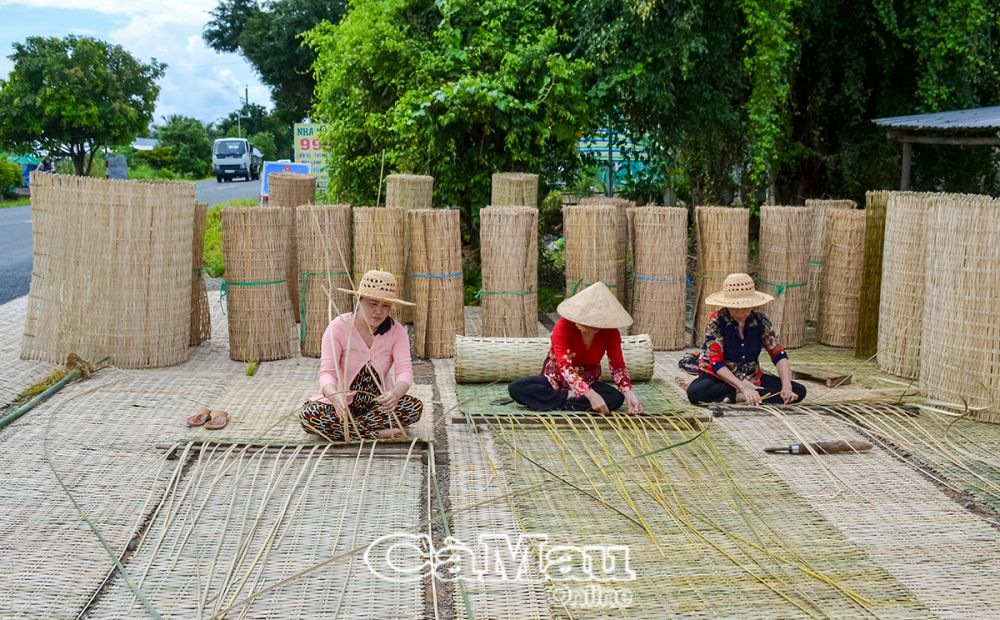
[[734, 337], [571, 373], [358, 399]]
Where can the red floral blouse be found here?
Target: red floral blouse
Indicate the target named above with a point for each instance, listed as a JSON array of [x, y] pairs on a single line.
[[571, 366]]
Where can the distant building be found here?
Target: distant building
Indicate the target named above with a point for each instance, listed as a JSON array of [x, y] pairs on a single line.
[[145, 144]]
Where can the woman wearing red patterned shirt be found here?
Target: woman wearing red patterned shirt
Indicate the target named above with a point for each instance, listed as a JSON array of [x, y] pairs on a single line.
[[734, 337], [570, 377]]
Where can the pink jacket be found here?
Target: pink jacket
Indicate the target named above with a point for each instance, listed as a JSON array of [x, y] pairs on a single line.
[[344, 353]]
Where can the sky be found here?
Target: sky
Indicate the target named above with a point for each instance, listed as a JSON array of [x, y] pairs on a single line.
[[198, 81]]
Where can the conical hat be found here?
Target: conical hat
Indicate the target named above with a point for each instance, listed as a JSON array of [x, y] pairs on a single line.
[[595, 306]]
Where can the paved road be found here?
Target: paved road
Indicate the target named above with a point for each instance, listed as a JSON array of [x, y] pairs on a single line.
[[15, 233]]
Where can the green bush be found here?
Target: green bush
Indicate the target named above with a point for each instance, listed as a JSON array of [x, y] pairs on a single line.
[[212, 260], [10, 177]]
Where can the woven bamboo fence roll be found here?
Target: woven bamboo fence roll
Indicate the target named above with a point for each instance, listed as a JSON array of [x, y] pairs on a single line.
[[866, 338], [960, 358], [201, 318], [592, 247], [255, 248], [436, 279], [722, 239], [659, 283], [784, 270], [819, 211], [379, 236], [286, 189], [509, 257], [324, 247], [484, 360], [111, 272], [409, 191], [623, 292], [514, 189], [843, 261]]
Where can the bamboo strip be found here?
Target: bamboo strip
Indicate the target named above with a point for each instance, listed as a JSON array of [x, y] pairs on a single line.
[[509, 257], [843, 261], [324, 247], [592, 247], [437, 281], [659, 282], [290, 190], [722, 242], [820, 209], [784, 270], [514, 189], [866, 339], [379, 236], [201, 318]]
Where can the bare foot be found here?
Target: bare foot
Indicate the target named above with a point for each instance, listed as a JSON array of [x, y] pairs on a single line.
[[391, 433]]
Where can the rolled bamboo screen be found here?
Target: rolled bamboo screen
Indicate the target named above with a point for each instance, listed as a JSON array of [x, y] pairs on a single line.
[[722, 241], [592, 252], [255, 248], [623, 292], [286, 189], [866, 339], [820, 209], [324, 247], [901, 308], [409, 191], [436, 261], [111, 272], [960, 358], [659, 281], [509, 256], [784, 270], [201, 318], [843, 261], [378, 244], [514, 189]]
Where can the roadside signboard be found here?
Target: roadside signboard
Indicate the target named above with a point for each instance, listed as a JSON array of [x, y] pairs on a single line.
[[273, 167], [308, 150], [117, 167]]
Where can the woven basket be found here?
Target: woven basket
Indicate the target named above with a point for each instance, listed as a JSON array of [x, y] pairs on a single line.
[[484, 360], [866, 338], [784, 270], [592, 247], [287, 189], [722, 242], [201, 318], [819, 211], [514, 189], [324, 247], [255, 248], [659, 282], [843, 261], [379, 236], [509, 257], [622, 244], [409, 191], [436, 281]]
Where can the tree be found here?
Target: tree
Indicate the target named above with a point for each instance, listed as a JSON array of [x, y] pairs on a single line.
[[264, 142], [189, 144], [75, 95]]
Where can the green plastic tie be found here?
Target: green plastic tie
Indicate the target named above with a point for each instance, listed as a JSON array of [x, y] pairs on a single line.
[[780, 287], [303, 287]]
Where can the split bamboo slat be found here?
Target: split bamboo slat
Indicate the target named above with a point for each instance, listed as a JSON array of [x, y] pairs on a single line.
[[514, 189], [592, 252], [784, 270], [437, 283], [201, 318], [259, 309], [509, 256], [659, 283], [819, 210], [723, 243], [324, 247], [843, 261], [622, 272], [111, 272], [960, 358], [408, 191], [290, 190], [866, 339], [378, 244]]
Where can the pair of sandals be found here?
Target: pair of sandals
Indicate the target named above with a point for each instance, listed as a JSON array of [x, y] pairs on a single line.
[[211, 419]]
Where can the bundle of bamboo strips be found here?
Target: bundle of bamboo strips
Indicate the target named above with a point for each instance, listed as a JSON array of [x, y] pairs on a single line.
[[866, 339], [621, 231], [436, 279], [509, 256], [843, 261], [255, 248], [514, 189], [324, 247], [286, 189], [819, 211], [722, 239], [784, 270], [592, 252], [378, 244], [201, 318], [659, 281], [409, 191], [111, 273]]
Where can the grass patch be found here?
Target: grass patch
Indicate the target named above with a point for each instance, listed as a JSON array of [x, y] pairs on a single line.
[[15, 202], [214, 265]]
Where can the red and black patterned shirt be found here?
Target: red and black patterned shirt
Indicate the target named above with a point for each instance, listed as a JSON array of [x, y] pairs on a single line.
[[572, 366], [724, 347]]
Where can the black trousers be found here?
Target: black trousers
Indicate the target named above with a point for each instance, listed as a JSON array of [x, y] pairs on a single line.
[[709, 389], [537, 394]]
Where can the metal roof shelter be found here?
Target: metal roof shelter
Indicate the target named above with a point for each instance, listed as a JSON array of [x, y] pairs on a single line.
[[974, 127]]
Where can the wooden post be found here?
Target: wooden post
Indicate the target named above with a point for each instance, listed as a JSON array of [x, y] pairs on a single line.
[[904, 179]]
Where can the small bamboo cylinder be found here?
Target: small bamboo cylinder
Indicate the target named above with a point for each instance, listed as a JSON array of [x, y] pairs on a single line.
[[509, 257], [437, 281], [379, 235], [866, 339], [659, 281], [408, 191], [843, 261], [819, 210], [722, 242], [290, 190], [784, 270], [623, 290], [324, 247], [514, 189], [201, 318], [592, 248]]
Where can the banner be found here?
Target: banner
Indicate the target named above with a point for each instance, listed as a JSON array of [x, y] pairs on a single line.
[[274, 167], [308, 150]]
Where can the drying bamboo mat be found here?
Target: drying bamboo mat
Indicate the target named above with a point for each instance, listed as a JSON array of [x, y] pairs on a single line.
[[474, 322], [239, 520], [944, 555], [17, 374]]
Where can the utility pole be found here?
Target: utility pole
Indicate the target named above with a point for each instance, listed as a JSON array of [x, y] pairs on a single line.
[[244, 102]]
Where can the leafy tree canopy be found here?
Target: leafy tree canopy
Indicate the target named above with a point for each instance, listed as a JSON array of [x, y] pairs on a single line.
[[189, 144]]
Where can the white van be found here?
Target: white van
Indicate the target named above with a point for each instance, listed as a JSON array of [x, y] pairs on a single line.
[[235, 157]]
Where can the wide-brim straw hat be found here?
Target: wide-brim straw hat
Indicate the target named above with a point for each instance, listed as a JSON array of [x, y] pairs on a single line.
[[380, 285], [738, 291], [595, 306]]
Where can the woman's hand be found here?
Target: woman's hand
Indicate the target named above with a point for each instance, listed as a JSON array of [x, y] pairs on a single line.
[[634, 406], [750, 394], [787, 394], [597, 402], [339, 401], [389, 400]]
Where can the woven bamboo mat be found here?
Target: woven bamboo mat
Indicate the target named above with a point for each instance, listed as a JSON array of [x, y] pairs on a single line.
[[242, 520], [944, 555], [474, 322], [17, 374]]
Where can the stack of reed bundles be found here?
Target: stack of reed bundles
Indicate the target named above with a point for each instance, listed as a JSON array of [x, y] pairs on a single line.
[[409, 191], [819, 211], [255, 249], [436, 279], [514, 189], [866, 339], [843, 261], [112, 271], [960, 359], [784, 270], [509, 256], [201, 318], [659, 280], [290, 190], [722, 239], [324, 247], [378, 244], [591, 246], [623, 290]]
